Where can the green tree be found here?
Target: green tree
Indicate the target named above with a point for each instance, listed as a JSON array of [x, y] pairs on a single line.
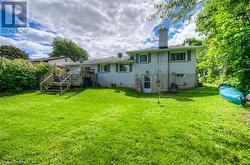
[[201, 68], [12, 52], [192, 42], [226, 27], [65, 47]]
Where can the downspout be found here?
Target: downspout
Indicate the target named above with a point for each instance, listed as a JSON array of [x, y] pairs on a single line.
[[168, 68], [158, 65]]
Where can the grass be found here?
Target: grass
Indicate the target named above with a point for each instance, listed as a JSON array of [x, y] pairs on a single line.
[[119, 126]]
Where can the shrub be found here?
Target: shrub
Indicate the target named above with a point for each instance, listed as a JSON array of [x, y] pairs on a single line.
[[18, 75], [42, 70]]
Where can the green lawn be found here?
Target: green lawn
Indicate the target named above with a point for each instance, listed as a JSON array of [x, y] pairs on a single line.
[[111, 126]]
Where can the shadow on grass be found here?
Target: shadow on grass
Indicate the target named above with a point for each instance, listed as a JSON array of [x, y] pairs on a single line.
[[182, 95], [16, 93], [47, 93], [246, 106], [74, 92], [68, 94]]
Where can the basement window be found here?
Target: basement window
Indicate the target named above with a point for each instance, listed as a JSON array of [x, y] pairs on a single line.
[[180, 75], [175, 57]]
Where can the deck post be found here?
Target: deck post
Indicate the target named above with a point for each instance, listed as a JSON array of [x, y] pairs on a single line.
[[61, 89]]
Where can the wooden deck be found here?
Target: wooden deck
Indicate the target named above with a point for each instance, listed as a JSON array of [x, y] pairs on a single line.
[[66, 81], [50, 85]]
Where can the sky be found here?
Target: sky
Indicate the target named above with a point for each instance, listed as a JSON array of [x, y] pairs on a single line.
[[102, 27]]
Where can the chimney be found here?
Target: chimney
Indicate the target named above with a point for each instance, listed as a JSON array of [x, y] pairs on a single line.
[[163, 38]]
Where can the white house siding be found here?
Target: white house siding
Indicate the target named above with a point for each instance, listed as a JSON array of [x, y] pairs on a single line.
[[119, 78], [128, 79], [74, 69], [187, 68], [157, 69], [60, 62]]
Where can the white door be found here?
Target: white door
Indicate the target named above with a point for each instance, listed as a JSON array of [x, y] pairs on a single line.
[[147, 84]]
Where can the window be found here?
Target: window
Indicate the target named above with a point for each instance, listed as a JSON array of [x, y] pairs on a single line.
[[179, 56], [104, 68], [66, 60], [143, 59], [124, 68]]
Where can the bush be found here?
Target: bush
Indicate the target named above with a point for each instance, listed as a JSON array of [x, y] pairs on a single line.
[[18, 75], [42, 70]]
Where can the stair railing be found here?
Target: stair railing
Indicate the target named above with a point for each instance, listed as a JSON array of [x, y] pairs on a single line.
[[62, 82], [45, 81]]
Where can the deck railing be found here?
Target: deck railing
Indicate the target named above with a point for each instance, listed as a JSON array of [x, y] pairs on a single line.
[[65, 82], [68, 78], [46, 82]]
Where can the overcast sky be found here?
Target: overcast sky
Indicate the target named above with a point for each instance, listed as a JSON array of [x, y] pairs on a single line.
[[102, 27]]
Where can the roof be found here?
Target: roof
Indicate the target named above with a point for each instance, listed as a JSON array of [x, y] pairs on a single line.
[[72, 64], [45, 59], [165, 49], [109, 60]]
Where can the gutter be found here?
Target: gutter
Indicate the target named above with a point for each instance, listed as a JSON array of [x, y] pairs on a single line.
[[164, 50]]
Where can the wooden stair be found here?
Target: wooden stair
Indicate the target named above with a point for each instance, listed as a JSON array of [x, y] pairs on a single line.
[[48, 85]]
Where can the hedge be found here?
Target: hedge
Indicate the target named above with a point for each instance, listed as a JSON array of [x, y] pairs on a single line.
[[17, 75]]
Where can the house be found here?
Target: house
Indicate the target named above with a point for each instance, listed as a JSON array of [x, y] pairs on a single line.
[[172, 67], [74, 67], [59, 61]]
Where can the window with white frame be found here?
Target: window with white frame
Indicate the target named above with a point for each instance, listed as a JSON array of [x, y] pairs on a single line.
[[180, 56], [104, 68], [143, 58], [124, 68]]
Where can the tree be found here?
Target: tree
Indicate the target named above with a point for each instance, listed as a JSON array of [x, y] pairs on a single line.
[[65, 47], [200, 57], [176, 10], [12, 52], [192, 42], [226, 27]]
